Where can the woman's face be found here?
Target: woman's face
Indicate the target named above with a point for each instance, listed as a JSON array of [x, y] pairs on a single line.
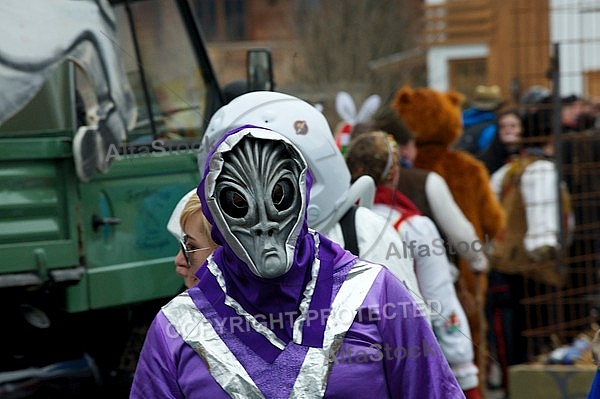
[[510, 130], [199, 248]]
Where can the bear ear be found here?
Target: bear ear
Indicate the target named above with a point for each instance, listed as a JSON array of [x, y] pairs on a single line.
[[404, 95], [455, 97]]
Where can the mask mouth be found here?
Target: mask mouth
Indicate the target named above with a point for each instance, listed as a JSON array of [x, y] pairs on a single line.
[[269, 252]]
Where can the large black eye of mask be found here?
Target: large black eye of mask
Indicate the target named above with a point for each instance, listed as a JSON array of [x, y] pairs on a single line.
[[282, 195], [233, 203]]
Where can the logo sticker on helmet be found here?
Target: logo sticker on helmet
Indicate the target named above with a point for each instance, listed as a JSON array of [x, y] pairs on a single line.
[[301, 127]]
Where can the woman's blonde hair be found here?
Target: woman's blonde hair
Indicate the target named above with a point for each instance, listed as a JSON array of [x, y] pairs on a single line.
[[192, 207]]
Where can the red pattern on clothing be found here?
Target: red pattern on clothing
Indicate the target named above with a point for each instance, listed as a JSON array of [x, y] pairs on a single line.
[[400, 202]]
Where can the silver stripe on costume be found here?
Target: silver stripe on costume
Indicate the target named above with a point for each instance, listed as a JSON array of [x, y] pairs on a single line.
[[222, 364], [235, 305], [312, 379], [308, 293], [251, 320]]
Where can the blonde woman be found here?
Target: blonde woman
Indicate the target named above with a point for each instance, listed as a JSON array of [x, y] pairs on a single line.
[[194, 238]]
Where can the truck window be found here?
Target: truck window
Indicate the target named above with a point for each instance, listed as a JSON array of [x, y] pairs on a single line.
[[52, 107], [162, 69]]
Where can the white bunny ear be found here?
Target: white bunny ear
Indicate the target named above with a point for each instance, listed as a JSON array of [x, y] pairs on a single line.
[[368, 108], [344, 105]]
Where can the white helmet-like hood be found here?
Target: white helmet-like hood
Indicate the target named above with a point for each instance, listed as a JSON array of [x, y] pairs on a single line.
[[301, 123]]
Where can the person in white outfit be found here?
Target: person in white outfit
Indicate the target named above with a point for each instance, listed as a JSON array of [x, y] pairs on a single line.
[[375, 154], [538, 190]]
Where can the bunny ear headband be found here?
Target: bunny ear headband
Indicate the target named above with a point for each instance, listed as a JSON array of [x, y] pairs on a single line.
[[346, 108]]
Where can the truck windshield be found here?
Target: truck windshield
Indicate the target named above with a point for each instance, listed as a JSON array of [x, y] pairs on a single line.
[[162, 70]]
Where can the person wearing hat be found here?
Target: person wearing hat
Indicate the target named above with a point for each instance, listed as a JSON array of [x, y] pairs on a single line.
[[479, 120]]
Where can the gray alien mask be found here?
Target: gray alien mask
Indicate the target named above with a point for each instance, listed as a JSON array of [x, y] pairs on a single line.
[[258, 199]]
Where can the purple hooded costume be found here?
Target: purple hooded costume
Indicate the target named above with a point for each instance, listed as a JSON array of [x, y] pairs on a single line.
[[330, 326]]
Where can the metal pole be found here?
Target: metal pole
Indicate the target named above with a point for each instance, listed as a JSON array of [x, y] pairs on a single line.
[[558, 161], [557, 130]]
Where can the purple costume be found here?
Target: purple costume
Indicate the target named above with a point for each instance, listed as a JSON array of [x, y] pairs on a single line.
[[330, 325]]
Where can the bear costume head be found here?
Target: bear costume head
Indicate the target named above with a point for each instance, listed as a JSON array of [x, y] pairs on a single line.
[[435, 117]]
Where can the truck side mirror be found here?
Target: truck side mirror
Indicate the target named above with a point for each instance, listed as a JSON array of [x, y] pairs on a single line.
[[85, 152], [95, 147], [260, 70]]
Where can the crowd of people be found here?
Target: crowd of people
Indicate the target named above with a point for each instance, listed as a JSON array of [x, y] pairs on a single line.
[[307, 270]]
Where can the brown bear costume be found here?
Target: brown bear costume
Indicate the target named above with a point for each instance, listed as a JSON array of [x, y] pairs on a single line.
[[436, 119]]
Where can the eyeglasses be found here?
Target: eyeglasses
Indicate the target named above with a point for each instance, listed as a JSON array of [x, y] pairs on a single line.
[[187, 252]]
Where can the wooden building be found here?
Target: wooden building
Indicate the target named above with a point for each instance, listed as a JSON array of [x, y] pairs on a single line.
[[510, 43], [463, 43], [231, 27]]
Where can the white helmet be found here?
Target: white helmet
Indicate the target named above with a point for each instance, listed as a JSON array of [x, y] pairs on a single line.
[[301, 123]]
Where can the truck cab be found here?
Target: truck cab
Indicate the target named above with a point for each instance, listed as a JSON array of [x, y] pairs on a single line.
[[98, 143]]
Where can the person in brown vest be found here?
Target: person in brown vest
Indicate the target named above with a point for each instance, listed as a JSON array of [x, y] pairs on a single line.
[[426, 189]]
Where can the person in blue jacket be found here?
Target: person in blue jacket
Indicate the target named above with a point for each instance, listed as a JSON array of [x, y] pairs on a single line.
[[479, 120]]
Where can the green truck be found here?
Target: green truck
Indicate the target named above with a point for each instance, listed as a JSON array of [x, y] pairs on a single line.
[[102, 106]]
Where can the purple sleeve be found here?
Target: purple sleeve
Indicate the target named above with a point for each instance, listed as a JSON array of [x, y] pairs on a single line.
[[391, 347], [414, 364], [155, 374]]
